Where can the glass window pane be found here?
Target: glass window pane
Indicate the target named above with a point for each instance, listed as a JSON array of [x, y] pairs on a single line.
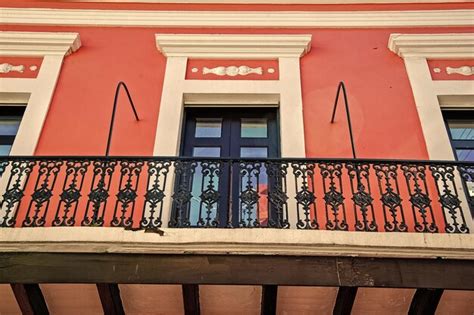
[[208, 127], [253, 152], [9, 125], [5, 149], [253, 128], [465, 155], [461, 129], [206, 152]]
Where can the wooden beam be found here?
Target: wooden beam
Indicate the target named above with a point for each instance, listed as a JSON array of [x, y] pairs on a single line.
[[191, 299], [109, 294], [235, 269], [344, 300], [269, 299], [30, 299], [425, 301]]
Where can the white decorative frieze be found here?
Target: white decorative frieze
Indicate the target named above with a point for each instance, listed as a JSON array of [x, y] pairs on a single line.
[[6, 68], [464, 70], [232, 71]]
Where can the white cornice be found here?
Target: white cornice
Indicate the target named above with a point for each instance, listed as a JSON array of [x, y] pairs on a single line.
[[230, 46], [38, 44], [326, 19], [440, 46]]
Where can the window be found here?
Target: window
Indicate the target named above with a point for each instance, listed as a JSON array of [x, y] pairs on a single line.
[[10, 118], [460, 125], [227, 133]]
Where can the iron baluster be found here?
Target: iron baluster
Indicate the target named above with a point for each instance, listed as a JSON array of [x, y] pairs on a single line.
[[387, 179]]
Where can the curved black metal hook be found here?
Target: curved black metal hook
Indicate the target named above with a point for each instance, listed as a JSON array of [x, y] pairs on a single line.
[[117, 90], [342, 87]]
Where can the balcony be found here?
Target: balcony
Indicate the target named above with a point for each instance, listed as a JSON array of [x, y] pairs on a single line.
[[150, 193]]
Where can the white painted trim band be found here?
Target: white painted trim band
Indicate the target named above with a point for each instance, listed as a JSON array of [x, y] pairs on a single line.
[[440, 46], [349, 19], [38, 44], [238, 242], [230, 46]]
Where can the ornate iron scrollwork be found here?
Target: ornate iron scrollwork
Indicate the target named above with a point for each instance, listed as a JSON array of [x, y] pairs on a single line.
[[11, 199], [45, 181], [305, 196], [184, 172], [387, 179], [249, 182], [129, 178], [444, 176], [71, 193], [277, 194], [415, 176], [362, 197], [99, 192], [333, 196], [156, 183]]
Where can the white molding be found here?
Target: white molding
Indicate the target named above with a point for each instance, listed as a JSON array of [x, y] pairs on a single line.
[[238, 242], [416, 49], [433, 46], [228, 46], [284, 92], [289, 19], [52, 47], [38, 44]]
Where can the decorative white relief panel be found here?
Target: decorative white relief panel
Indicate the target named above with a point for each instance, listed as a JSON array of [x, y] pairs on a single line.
[[232, 71], [6, 68], [465, 70]]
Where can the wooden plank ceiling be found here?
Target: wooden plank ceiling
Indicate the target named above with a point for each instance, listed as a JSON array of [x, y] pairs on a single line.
[[135, 299]]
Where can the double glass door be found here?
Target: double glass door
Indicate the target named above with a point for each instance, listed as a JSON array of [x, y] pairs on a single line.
[[232, 191]]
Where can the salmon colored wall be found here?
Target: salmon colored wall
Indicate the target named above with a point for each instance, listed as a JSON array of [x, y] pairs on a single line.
[[384, 116]]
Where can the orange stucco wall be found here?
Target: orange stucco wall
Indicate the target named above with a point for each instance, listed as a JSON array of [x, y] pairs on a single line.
[[385, 121]]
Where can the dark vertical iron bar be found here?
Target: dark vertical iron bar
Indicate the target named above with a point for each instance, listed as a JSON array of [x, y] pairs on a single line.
[[30, 299], [117, 90], [425, 301], [191, 299], [346, 103], [345, 300], [269, 299], [109, 294]]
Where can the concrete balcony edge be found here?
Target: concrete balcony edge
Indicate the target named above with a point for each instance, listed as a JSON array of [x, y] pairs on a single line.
[[237, 242]]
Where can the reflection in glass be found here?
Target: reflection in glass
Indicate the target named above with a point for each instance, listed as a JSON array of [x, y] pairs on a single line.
[[461, 129], [205, 183], [253, 188], [5, 149], [9, 125], [253, 152], [206, 152], [253, 128], [465, 155], [208, 127]]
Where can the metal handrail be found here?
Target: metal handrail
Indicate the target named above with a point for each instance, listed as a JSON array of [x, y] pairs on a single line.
[[117, 90], [342, 87]]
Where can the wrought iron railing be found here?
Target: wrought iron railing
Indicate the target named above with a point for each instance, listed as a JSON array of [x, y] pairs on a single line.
[[151, 192]]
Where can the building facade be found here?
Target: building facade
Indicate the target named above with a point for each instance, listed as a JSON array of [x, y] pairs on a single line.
[[258, 156]]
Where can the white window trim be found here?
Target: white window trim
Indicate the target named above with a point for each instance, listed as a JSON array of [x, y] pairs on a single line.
[[416, 49], [52, 47], [286, 92]]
